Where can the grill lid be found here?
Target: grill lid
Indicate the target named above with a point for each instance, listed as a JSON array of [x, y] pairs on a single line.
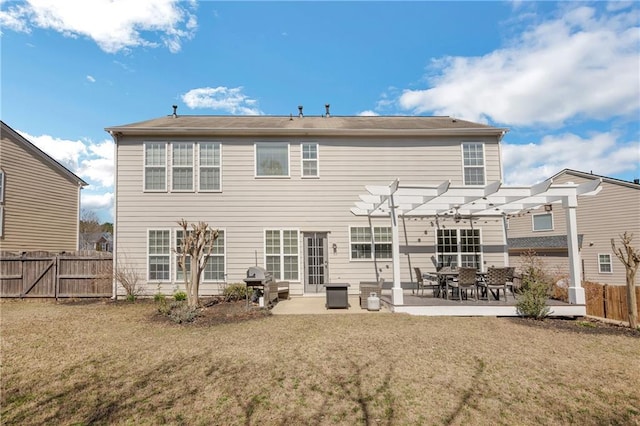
[[258, 274]]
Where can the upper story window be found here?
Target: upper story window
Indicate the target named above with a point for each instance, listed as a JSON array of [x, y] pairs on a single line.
[[182, 162], [368, 246], [542, 222], [473, 163], [155, 166], [209, 166], [272, 159], [310, 160], [604, 264]]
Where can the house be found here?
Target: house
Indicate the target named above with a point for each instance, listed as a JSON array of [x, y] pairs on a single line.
[[281, 190], [615, 210], [39, 198], [96, 241]]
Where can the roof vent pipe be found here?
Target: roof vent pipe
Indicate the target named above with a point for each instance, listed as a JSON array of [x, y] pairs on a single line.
[[175, 111], [636, 181], [326, 107], [300, 111]]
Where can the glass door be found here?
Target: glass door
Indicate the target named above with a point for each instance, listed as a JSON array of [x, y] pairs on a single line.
[[316, 268]]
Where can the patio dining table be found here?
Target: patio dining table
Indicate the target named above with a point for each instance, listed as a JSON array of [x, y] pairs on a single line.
[[445, 274]]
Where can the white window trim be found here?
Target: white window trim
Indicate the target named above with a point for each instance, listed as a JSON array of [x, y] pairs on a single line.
[[144, 167], [1, 186], [282, 255], [533, 223], [317, 160], [170, 255], [484, 162], [459, 252], [175, 256], [200, 166], [373, 245], [600, 271], [194, 146], [1, 220], [255, 160]]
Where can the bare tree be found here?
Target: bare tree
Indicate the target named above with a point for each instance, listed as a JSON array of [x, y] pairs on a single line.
[[89, 222], [129, 279], [194, 250], [630, 258]]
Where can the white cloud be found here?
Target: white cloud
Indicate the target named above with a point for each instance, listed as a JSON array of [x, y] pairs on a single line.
[[114, 25], [93, 162], [580, 65], [90, 79], [601, 154], [229, 100], [368, 113], [96, 201]]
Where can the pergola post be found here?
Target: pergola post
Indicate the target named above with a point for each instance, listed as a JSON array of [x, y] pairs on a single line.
[[576, 291], [397, 296]]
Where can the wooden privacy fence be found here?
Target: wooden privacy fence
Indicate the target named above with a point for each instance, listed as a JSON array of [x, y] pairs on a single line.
[[609, 301], [44, 274]]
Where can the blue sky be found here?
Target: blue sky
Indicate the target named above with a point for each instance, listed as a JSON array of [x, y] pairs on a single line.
[[563, 77]]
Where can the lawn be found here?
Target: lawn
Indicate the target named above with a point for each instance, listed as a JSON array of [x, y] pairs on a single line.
[[116, 363]]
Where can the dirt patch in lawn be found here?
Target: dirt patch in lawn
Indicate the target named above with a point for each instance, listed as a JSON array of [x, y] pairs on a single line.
[[216, 311]]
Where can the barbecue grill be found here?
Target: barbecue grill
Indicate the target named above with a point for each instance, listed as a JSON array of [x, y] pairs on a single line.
[[257, 277]]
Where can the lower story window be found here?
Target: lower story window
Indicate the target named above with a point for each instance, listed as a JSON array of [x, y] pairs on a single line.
[[159, 255], [459, 247], [369, 245], [215, 268], [282, 253], [604, 263]]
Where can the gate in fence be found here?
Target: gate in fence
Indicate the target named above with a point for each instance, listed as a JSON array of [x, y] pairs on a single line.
[[61, 275]]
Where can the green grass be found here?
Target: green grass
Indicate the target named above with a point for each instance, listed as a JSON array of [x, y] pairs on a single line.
[[105, 363]]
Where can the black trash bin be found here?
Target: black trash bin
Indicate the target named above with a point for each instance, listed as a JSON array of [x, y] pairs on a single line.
[[337, 296]]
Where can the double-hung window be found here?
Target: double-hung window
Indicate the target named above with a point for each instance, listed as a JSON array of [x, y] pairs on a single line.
[[182, 166], [473, 163], [215, 268], [366, 245], [604, 264], [155, 166], [282, 253], [310, 160], [542, 222], [272, 159], [209, 166], [159, 254], [459, 247]]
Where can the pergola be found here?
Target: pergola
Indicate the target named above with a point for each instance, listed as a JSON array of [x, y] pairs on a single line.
[[399, 200]]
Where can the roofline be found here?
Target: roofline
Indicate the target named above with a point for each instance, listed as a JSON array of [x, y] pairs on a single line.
[[217, 131], [594, 176], [43, 155]]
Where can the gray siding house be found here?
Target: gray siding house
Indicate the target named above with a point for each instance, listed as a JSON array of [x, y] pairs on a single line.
[[613, 211], [39, 198], [280, 190]]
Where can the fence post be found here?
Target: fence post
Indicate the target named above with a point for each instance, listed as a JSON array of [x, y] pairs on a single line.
[[57, 277], [604, 300]]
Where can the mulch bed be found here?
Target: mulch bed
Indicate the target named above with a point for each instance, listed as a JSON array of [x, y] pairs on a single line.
[[217, 311], [580, 325]]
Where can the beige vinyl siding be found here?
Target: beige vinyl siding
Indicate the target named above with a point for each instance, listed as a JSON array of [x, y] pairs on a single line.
[[247, 205], [614, 210], [41, 205]]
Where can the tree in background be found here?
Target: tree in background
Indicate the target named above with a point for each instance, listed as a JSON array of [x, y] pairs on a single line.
[[630, 258], [194, 249], [89, 222]]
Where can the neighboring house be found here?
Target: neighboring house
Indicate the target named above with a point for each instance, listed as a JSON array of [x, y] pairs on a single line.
[[39, 198], [281, 191], [613, 211], [97, 241]]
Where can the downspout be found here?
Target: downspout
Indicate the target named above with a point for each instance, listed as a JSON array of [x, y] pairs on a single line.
[[114, 290]]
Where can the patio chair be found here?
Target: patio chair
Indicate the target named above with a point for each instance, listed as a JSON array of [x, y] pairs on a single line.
[[368, 287], [431, 282], [496, 280], [513, 280], [466, 281]]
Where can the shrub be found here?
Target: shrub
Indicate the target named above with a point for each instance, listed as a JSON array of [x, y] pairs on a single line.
[[179, 296], [159, 297], [237, 291], [536, 288], [131, 297], [180, 312]]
